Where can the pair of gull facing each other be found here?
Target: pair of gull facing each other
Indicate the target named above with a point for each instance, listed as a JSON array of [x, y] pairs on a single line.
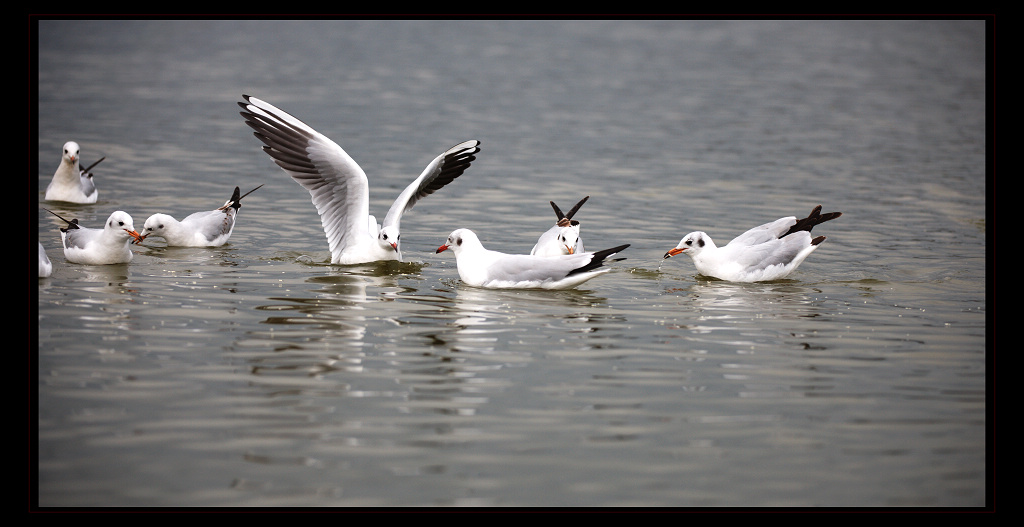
[[340, 191]]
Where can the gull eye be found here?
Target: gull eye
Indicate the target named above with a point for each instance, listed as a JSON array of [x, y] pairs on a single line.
[[384, 235]]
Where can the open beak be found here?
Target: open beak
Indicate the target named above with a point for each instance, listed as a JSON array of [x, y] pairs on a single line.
[[673, 252], [138, 237], [441, 249], [570, 249]]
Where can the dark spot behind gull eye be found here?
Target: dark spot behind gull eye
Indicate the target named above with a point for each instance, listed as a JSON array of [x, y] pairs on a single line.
[[700, 242], [458, 242]]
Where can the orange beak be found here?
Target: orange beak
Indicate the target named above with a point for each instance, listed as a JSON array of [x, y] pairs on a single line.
[[138, 237], [570, 249], [673, 252], [441, 249]]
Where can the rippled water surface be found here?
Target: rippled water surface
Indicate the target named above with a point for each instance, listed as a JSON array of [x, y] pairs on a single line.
[[257, 374]]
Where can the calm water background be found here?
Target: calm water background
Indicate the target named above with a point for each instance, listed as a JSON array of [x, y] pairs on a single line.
[[258, 374]]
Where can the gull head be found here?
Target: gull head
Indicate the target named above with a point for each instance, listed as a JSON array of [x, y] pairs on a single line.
[[458, 240], [691, 244], [568, 238], [71, 151], [120, 222], [389, 238], [155, 224]]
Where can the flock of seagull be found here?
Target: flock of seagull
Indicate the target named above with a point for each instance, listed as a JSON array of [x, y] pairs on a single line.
[[339, 190]]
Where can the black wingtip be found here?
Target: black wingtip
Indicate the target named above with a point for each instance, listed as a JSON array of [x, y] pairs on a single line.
[[573, 210], [812, 219], [73, 224], [558, 211], [236, 198], [599, 259], [90, 167]]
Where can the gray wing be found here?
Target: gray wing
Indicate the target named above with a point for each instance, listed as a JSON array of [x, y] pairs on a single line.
[[521, 267], [79, 238], [765, 233], [88, 186], [441, 171], [773, 252], [336, 184], [212, 223]]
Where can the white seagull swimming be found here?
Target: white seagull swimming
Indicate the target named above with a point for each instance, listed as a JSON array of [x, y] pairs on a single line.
[[70, 183], [767, 252], [338, 186], [209, 228], [491, 269], [108, 245], [564, 236], [45, 267]]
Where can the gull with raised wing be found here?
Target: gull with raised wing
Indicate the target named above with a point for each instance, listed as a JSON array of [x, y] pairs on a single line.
[[481, 267], [564, 236], [70, 183], [209, 228], [338, 186], [108, 245], [767, 252]]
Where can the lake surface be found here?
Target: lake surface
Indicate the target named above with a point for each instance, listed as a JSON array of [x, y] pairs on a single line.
[[257, 374]]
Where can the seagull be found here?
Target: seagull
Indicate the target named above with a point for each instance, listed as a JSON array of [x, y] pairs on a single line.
[[69, 183], [108, 245], [338, 186], [45, 267], [768, 252], [491, 269], [210, 228], [563, 237]]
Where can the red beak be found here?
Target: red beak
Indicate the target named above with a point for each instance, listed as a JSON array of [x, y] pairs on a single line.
[[673, 252], [441, 249]]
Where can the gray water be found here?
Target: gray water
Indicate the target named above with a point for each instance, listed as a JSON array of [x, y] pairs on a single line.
[[257, 374]]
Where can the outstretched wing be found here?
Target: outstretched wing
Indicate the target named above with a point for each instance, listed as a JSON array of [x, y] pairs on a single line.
[[336, 184], [441, 171]]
